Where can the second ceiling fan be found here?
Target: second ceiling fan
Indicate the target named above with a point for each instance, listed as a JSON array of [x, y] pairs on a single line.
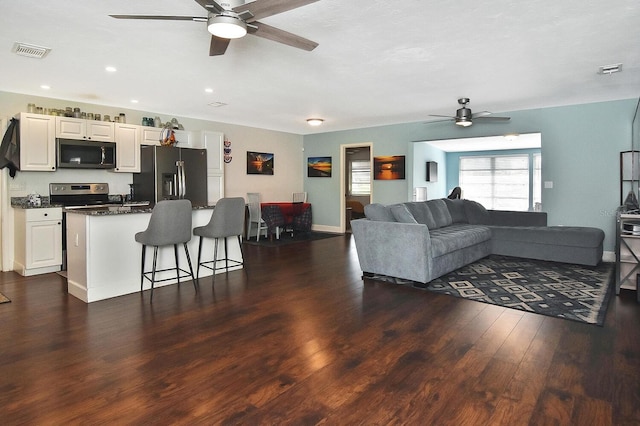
[[464, 117], [227, 20]]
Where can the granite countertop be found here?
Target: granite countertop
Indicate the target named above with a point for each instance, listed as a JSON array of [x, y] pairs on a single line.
[[117, 210], [23, 203]]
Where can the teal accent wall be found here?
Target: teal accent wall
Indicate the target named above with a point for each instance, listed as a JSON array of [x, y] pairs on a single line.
[[580, 155]]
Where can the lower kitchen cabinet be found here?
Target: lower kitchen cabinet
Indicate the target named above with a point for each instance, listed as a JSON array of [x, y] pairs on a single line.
[[38, 240]]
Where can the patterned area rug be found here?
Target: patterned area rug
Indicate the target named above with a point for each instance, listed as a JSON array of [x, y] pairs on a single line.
[[4, 299], [574, 292]]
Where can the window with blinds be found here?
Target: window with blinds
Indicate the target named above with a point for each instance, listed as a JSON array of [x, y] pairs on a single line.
[[502, 182], [360, 177]]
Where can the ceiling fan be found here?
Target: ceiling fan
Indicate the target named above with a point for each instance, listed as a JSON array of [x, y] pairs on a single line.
[[234, 19], [464, 117]]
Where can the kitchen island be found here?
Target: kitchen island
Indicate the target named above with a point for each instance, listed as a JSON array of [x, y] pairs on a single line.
[[103, 258]]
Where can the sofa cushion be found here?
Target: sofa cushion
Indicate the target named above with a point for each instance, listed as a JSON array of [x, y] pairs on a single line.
[[476, 213], [440, 213], [456, 210], [421, 213], [455, 237], [379, 212], [401, 214]]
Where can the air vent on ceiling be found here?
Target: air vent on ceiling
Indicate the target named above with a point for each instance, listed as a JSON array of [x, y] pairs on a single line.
[[217, 104], [610, 69], [30, 50]]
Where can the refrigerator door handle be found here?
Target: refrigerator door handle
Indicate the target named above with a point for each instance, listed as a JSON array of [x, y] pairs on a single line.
[[183, 180]]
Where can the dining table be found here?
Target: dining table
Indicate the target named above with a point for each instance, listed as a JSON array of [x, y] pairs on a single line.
[[293, 216]]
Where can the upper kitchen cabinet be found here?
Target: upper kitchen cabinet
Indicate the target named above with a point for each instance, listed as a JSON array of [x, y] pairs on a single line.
[[127, 148], [213, 143], [151, 135], [184, 139], [79, 128], [37, 142]]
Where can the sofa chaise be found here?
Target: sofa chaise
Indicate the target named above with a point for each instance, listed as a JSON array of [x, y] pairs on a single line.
[[421, 241]]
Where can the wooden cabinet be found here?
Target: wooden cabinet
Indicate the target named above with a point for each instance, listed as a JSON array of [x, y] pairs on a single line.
[[213, 143], [79, 128], [37, 142], [128, 148], [185, 139], [38, 240], [150, 135]]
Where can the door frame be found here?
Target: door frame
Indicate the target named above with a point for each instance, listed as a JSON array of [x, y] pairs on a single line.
[[343, 170]]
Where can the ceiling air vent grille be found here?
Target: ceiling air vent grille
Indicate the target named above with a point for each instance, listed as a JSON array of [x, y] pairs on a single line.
[[30, 50], [610, 69]]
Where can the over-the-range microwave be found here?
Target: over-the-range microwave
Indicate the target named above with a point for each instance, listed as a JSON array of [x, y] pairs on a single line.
[[78, 154]]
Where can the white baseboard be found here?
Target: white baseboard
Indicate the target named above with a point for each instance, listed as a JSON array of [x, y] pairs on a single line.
[[325, 228], [609, 256]]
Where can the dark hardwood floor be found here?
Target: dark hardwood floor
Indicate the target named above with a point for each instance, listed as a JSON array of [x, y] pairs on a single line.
[[303, 340]]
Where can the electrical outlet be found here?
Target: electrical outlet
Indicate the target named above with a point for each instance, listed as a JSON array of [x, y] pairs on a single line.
[[17, 186]]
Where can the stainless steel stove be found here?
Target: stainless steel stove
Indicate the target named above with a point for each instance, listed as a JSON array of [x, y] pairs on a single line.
[[79, 195]]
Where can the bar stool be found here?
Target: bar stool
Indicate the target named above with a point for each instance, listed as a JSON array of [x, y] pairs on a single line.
[[170, 224], [227, 220]]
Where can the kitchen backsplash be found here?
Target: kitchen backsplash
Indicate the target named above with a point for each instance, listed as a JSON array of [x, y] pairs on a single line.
[[26, 183]]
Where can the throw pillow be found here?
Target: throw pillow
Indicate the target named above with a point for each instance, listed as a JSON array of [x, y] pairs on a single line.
[[379, 212], [440, 212], [456, 209], [401, 214], [421, 213]]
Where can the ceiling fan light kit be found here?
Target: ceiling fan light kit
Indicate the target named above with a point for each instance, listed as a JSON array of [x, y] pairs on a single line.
[[226, 26]]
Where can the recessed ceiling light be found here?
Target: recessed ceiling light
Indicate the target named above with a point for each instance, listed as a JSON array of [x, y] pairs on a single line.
[[315, 121], [208, 90], [45, 86], [134, 101], [111, 69]]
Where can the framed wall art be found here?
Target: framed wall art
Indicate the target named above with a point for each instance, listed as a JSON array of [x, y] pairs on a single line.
[[319, 167], [259, 163], [389, 168]]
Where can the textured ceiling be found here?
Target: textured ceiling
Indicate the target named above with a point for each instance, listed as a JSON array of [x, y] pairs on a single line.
[[378, 62]]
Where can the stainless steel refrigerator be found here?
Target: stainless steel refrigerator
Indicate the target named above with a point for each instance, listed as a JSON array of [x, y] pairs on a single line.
[[168, 173]]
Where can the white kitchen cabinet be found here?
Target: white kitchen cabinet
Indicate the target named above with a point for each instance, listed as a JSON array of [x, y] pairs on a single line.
[[184, 139], [38, 240], [213, 142], [79, 128], [150, 135], [37, 142], [128, 148]]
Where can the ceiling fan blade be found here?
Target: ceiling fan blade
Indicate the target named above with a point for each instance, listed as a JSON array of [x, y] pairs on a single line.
[[162, 18], [211, 6], [446, 116], [438, 121], [480, 114], [491, 118], [264, 8], [218, 46], [281, 36]]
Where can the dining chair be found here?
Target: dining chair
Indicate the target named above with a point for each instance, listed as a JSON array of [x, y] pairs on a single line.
[[227, 220], [170, 224], [255, 215], [299, 197]]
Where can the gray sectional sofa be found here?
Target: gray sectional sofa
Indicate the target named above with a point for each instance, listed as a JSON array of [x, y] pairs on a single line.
[[421, 241]]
